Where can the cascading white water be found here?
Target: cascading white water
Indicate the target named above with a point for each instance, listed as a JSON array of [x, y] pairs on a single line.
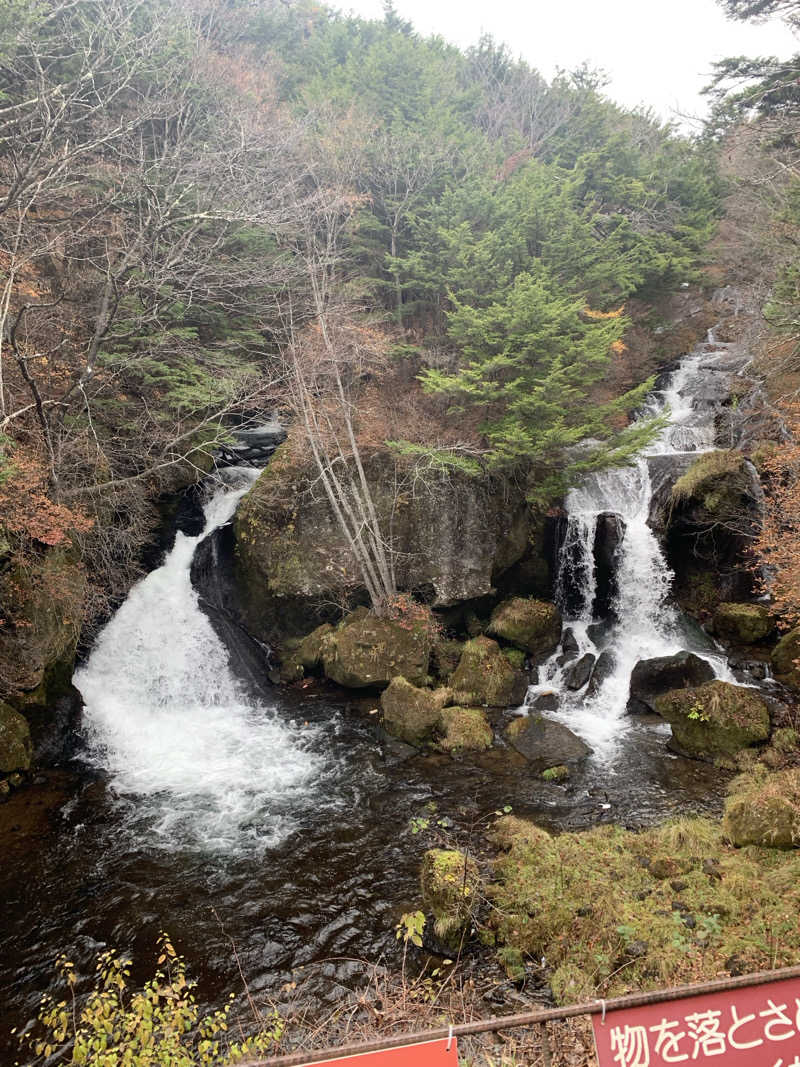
[[646, 624], [165, 717]]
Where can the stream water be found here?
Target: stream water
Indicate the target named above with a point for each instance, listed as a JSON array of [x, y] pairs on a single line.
[[231, 813]]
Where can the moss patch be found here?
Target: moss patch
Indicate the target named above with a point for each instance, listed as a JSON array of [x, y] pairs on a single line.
[[743, 624], [411, 714], [707, 479], [591, 905], [366, 651], [785, 658], [449, 880], [15, 741], [464, 730]]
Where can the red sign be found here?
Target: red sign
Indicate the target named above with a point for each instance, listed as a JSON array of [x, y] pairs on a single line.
[[756, 1026], [428, 1054]]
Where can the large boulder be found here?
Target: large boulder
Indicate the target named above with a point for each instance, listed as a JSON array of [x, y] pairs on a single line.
[[531, 625], [485, 677], [608, 537], [652, 678], [307, 656], [786, 658], [714, 720], [42, 605], [16, 748], [743, 624], [603, 669], [452, 536], [545, 743], [412, 714], [464, 730], [764, 810], [579, 673], [366, 651]]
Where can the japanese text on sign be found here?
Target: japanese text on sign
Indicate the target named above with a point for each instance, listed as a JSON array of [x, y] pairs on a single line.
[[756, 1026]]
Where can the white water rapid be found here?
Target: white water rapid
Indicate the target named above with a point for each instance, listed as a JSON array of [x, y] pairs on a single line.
[[644, 623], [204, 765]]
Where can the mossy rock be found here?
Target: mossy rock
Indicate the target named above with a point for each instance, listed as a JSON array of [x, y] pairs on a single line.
[[16, 749], [307, 656], [450, 888], [714, 720], [445, 656], [367, 651], [534, 626], [516, 657], [464, 730], [43, 605], [556, 774], [412, 714], [743, 624], [785, 656], [764, 809], [485, 677]]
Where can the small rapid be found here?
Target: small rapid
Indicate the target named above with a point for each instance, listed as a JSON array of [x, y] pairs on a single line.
[[201, 762], [642, 622]]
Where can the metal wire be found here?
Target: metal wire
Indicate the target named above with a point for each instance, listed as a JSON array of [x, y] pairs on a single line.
[[512, 1022]]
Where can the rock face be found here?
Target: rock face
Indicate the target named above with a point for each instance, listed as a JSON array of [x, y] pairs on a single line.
[[534, 626], [765, 810], [452, 537], [603, 669], [411, 714], [365, 651], [485, 677], [608, 537], [43, 604], [16, 748], [545, 743], [714, 720], [743, 624], [652, 678], [785, 656]]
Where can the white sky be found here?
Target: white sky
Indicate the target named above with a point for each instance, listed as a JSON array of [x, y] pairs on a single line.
[[657, 53]]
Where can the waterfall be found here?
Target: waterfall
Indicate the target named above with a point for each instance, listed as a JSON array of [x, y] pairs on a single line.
[[643, 623], [208, 766]]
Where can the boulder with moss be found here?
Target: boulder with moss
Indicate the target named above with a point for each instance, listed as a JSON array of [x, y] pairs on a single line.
[[450, 885], [367, 651], [764, 809], [534, 626], [412, 714], [743, 624], [306, 657], [786, 658], [511, 831], [715, 720], [545, 743], [16, 749], [42, 605], [485, 677], [445, 656], [464, 730], [454, 536]]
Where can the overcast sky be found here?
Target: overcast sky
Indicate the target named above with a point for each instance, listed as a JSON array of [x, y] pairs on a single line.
[[656, 53]]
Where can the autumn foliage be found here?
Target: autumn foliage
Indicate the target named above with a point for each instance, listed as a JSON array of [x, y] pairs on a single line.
[[778, 546], [27, 512]]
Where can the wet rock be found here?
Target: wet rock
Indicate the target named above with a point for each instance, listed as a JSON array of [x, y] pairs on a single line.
[[485, 677], [16, 748], [765, 810], [653, 677], [743, 624], [603, 669], [545, 743], [598, 633], [569, 643], [307, 657], [608, 537], [464, 730], [544, 702], [445, 656], [714, 720], [366, 651], [578, 675], [531, 625], [749, 670], [785, 656], [412, 714]]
